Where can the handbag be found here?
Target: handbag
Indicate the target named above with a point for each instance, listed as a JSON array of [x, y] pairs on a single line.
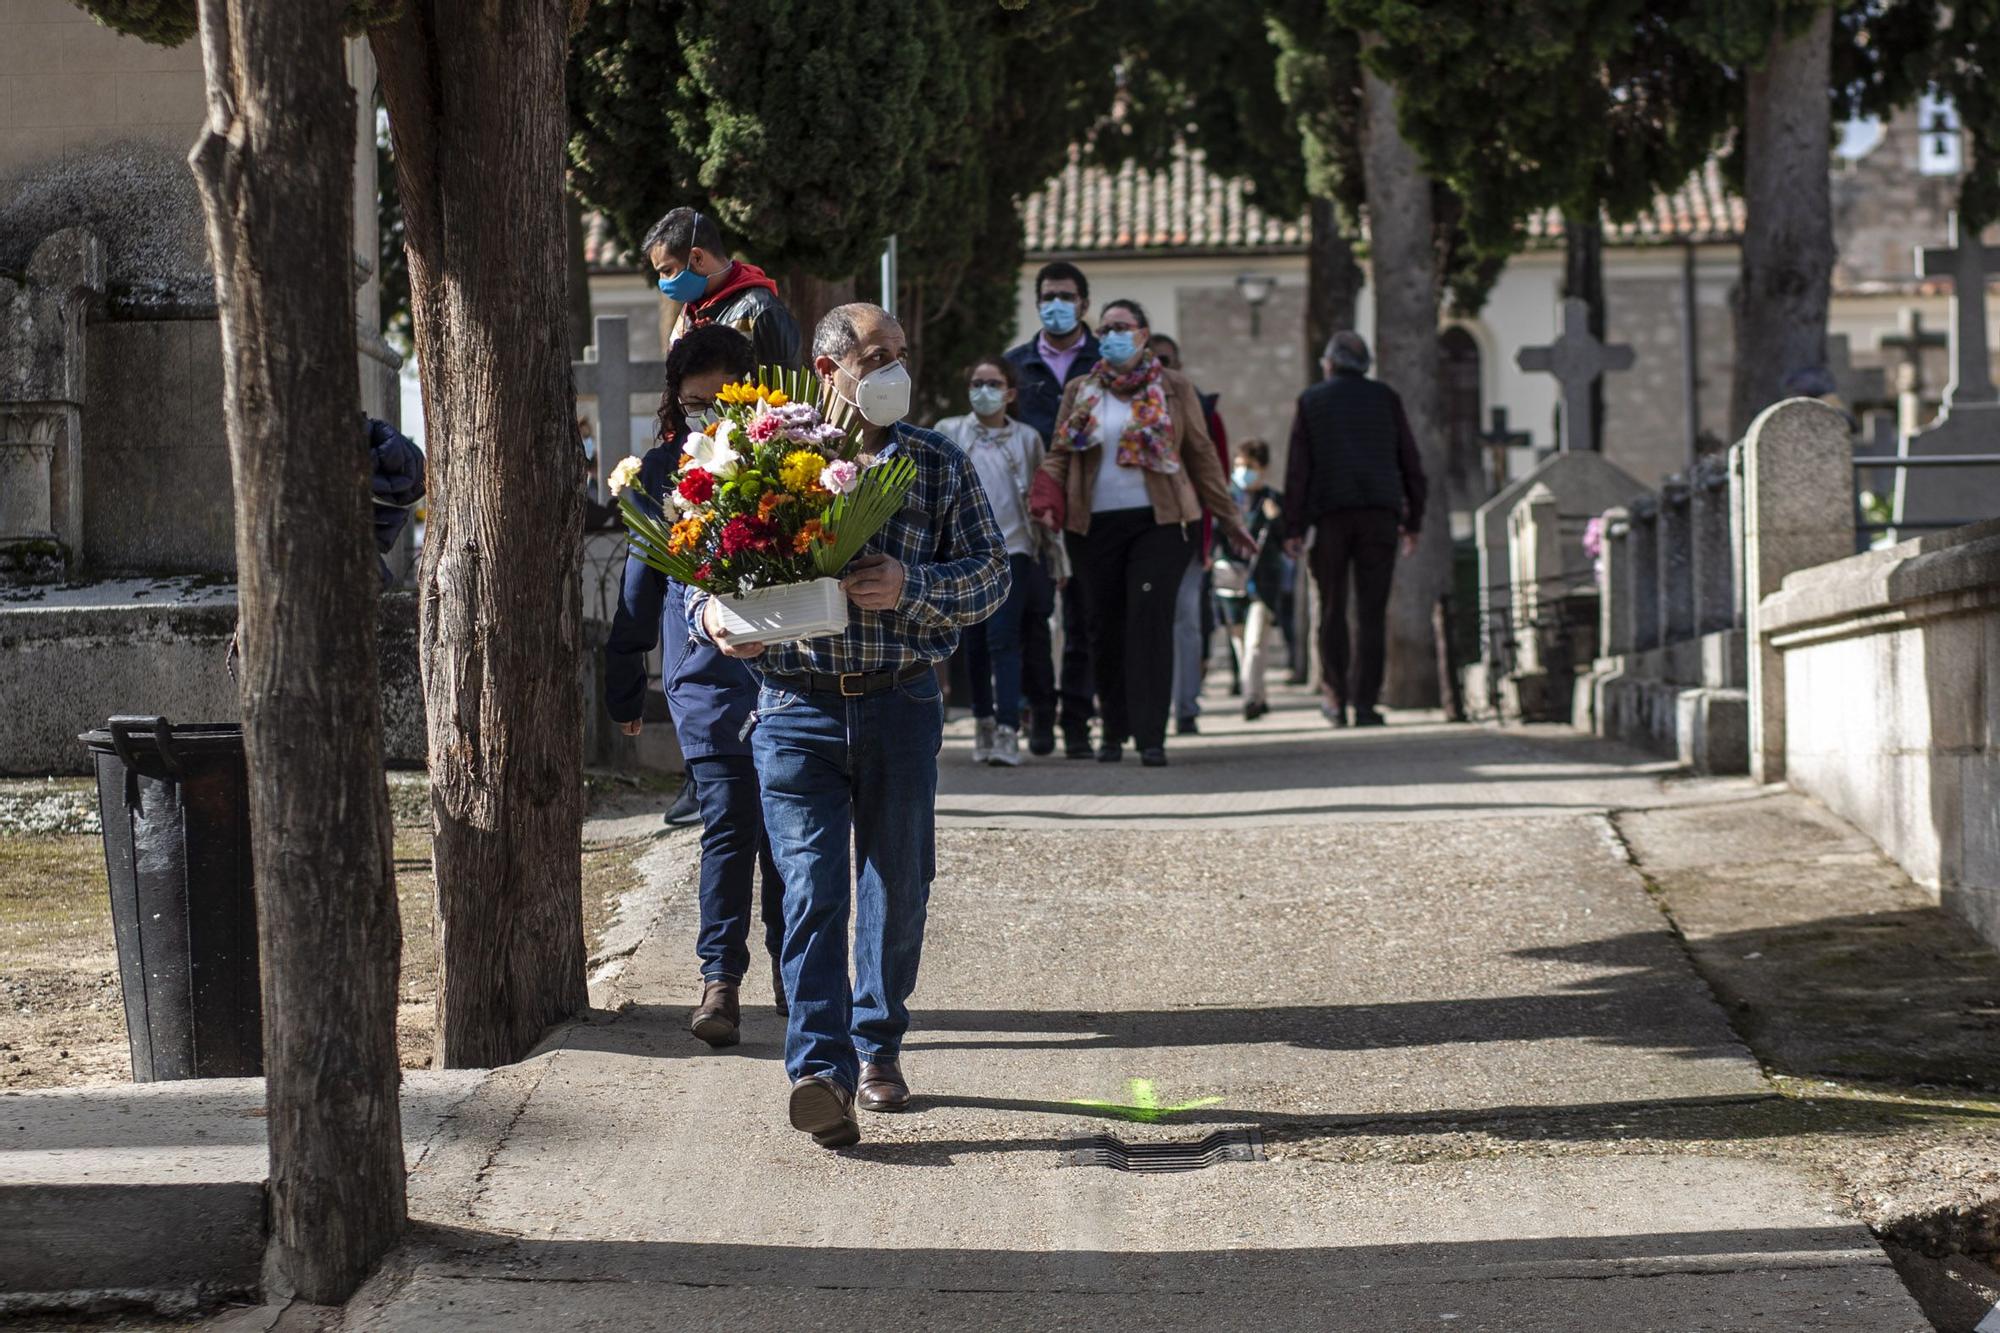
[[1046, 496], [1230, 576]]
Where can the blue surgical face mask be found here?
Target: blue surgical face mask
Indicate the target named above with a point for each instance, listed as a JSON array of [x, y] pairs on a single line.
[[1244, 477], [685, 286], [1118, 346], [987, 400], [1058, 316]]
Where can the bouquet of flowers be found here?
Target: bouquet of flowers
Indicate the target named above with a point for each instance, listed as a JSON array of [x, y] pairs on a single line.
[[772, 494]]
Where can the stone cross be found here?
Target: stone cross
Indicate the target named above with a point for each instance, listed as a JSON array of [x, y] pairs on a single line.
[[608, 374], [1499, 440], [1911, 343], [1576, 359], [1859, 387], [1968, 263]]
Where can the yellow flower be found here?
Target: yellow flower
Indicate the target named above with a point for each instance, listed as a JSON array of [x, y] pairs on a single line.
[[799, 472], [685, 536], [778, 398], [739, 394]]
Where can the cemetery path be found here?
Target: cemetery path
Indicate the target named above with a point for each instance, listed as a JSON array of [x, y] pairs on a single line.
[[1492, 1091]]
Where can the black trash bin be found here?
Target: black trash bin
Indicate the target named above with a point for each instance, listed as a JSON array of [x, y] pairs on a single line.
[[176, 806]]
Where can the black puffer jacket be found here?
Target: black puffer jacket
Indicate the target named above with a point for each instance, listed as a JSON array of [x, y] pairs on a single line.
[[395, 484]]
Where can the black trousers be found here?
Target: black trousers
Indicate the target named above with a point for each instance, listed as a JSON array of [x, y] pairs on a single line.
[[1360, 542], [1130, 565], [1038, 667], [1078, 684]]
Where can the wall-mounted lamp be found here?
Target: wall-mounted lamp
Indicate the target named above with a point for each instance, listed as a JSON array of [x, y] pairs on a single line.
[[1255, 289]]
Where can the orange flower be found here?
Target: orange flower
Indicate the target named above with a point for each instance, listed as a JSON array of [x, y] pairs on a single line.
[[771, 503], [803, 542], [684, 537]]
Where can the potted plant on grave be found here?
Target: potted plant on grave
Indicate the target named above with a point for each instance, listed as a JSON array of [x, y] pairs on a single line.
[[771, 500]]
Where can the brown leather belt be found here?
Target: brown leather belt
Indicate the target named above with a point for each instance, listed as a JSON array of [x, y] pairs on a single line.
[[850, 684]]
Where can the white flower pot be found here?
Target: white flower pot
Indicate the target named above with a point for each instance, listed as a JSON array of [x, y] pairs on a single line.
[[785, 613]]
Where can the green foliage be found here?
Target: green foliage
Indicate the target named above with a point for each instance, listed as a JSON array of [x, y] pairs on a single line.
[[171, 22], [800, 128]]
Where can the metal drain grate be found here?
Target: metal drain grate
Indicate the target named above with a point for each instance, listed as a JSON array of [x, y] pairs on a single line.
[[1226, 1145]]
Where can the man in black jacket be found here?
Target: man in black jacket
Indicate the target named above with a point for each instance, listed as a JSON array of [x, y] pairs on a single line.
[[1353, 479], [685, 247], [1064, 350]]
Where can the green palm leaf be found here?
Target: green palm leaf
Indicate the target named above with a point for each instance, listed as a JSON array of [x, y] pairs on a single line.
[[861, 513]]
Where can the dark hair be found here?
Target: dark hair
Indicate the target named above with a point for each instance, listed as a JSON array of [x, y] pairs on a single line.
[[1156, 338], [1005, 367], [1256, 451], [1138, 313], [1062, 268], [700, 351], [681, 231]]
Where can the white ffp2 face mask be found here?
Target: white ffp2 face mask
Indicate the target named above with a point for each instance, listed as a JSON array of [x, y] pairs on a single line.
[[883, 398]]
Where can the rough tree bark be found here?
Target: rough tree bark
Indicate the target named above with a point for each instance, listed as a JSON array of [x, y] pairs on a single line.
[[474, 90], [1407, 291], [809, 297], [1788, 250], [1333, 282], [275, 167], [581, 329]]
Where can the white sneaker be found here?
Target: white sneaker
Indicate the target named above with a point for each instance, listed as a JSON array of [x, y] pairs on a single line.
[[982, 741], [1006, 751]]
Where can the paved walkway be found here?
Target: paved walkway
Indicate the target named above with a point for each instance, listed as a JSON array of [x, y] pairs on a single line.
[[1416, 960]]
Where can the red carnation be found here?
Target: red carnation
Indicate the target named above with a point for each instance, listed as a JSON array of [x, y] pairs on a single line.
[[743, 533], [697, 486]]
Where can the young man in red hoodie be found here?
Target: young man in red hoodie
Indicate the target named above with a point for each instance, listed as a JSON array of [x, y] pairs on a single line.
[[685, 247]]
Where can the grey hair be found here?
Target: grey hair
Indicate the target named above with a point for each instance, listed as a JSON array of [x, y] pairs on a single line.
[[1348, 350], [837, 336]]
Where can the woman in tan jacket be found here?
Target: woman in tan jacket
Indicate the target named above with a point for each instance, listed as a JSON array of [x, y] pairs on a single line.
[[1128, 474]]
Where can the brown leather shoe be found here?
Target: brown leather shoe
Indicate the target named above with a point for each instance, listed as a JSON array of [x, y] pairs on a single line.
[[718, 1018], [883, 1088], [825, 1110]]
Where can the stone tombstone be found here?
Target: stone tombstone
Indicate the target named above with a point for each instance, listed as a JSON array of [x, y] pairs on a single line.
[[1860, 388], [1940, 497], [609, 375], [1614, 607], [1676, 561], [1714, 548], [43, 316], [1536, 572], [1910, 342], [1577, 360], [1798, 511], [1584, 485], [1642, 572]]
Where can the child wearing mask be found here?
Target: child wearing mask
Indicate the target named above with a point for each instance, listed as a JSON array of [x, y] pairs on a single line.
[[1006, 453], [1252, 590]]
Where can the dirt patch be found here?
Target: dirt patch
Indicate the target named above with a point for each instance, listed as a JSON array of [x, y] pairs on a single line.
[[62, 1016]]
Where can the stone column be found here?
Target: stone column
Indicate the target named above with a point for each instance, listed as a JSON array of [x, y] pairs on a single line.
[[1676, 561], [1614, 604], [1535, 560], [1714, 552], [42, 318], [1642, 583], [1798, 511]]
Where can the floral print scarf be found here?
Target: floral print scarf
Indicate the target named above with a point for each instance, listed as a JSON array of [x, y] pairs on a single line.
[[1148, 437]]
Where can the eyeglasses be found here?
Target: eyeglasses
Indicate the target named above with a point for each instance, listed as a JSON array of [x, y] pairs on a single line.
[[1103, 329], [989, 384], [694, 407]]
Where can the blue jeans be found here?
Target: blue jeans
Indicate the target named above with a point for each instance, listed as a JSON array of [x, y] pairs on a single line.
[[863, 769], [993, 650], [733, 849]]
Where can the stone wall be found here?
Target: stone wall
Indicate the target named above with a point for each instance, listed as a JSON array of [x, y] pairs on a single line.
[[1260, 378], [1892, 715]]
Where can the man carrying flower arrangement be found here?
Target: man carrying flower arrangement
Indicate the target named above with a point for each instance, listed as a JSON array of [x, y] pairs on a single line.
[[848, 726]]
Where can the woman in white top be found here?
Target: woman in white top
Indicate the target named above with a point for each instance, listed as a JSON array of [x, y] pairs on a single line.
[[1129, 472], [1006, 454]]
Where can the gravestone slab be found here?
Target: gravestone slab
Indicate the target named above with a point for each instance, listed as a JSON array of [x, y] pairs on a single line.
[[1941, 497], [1577, 360], [1714, 550], [1676, 561], [1642, 571], [42, 319], [1584, 486], [1614, 604], [609, 375]]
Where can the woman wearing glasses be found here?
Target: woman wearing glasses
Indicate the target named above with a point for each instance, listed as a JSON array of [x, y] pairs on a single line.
[[1129, 472]]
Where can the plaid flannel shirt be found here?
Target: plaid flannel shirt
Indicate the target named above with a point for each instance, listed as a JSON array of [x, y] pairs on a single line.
[[954, 573]]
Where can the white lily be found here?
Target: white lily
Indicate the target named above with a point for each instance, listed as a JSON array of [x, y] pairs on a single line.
[[716, 454]]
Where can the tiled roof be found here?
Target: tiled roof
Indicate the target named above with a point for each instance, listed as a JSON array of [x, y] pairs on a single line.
[[1186, 208]]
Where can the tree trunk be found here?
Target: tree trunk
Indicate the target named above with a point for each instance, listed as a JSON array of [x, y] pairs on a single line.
[[477, 108], [581, 330], [1788, 251], [1407, 289], [1583, 277], [808, 298], [275, 166], [1333, 282]]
